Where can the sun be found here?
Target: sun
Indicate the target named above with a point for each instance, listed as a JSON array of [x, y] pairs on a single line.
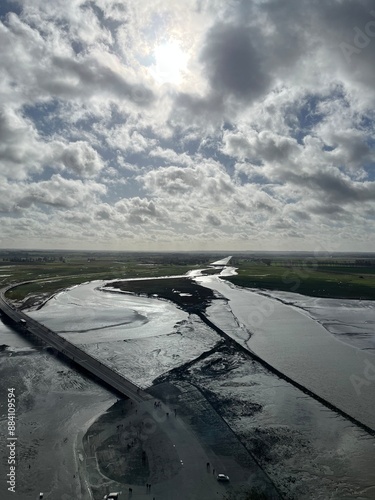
[[170, 63]]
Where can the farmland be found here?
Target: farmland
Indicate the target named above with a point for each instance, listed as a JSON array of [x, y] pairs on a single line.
[[44, 273], [340, 276], [343, 278]]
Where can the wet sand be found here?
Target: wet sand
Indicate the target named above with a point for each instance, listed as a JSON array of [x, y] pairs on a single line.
[[300, 348], [299, 443], [308, 451], [133, 445], [54, 404]]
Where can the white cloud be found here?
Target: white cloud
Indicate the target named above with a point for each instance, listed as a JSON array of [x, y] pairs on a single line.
[[269, 135], [170, 156], [20, 148], [263, 146], [60, 192], [57, 192], [81, 159], [126, 138]]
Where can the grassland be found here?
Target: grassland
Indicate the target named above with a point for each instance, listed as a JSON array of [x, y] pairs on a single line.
[[45, 278], [47, 272], [341, 279]]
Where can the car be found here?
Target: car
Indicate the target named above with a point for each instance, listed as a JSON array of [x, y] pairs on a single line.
[[111, 496], [222, 477]]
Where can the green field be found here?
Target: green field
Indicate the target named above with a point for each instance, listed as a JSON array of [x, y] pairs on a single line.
[[47, 272], [47, 277], [309, 277]]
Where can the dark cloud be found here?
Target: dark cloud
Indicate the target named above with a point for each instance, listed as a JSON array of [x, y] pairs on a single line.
[[172, 180], [301, 215], [343, 16], [328, 210], [232, 63], [350, 148], [80, 76], [208, 109], [213, 220], [333, 187], [343, 31], [260, 205], [140, 211], [291, 36]]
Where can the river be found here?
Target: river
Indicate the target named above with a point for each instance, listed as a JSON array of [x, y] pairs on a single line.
[[299, 346]]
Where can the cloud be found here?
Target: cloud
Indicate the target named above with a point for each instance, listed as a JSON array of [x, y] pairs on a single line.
[[334, 187], [24, 152], [61, 193], [20, 149], [82, 76], [55, 193], [170, 156], [81, 159], [268, 139], [232, 64], [262, 146], [126, 138], [207, 181], [171, 181], [140, 211], [47, 66]]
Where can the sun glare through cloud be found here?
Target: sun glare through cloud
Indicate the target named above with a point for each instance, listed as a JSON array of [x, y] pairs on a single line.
[[170, 63]]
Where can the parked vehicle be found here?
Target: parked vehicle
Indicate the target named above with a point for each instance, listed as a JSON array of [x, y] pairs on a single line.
[[223, 478]]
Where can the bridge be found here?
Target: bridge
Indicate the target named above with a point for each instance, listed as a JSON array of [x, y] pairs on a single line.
[[106, 374]]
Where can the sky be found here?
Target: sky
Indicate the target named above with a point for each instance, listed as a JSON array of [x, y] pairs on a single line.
[[187, 125]]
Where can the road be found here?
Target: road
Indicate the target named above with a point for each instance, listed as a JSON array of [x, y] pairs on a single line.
[[192, 480]]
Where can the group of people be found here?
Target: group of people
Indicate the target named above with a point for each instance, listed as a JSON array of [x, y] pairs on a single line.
[[157, 404]]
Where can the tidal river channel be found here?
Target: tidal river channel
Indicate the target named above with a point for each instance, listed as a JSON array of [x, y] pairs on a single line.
[[113, 325], [144, 338], [300, 347]]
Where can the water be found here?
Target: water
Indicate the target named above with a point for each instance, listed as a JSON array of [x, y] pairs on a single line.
[[85, 314], [147, 337], [300, 347], [351, 321], [11, 338], [140, 337]]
